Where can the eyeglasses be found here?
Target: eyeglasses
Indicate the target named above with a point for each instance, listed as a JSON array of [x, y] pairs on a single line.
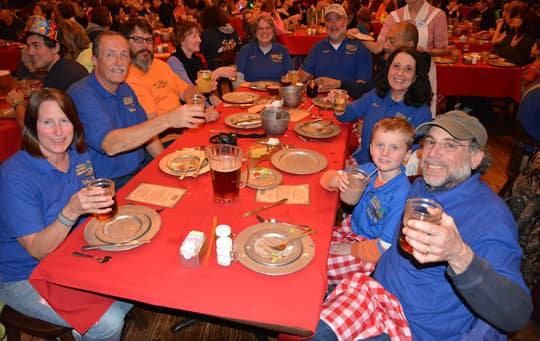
[[264, 28], [139, 39], [447, 146]]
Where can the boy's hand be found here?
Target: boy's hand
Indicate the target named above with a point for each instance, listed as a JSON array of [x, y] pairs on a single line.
[[343, 181], [342, 249]]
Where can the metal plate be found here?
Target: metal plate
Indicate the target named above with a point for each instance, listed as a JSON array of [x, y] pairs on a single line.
[[297, 256], [165, 162], [322, 103], [299, 161], [123, 228], [261, 85], [142, 212], [318, 130], [501, 64], [264, 178], [239, 97], [243, 120]]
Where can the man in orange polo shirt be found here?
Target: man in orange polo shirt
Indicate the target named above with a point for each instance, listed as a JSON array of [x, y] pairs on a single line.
[[158, 89]]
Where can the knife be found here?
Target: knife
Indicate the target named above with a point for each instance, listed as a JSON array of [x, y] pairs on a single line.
[[100, 246], [262, 208]]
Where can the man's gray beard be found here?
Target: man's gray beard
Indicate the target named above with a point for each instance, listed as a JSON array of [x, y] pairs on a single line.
[[141, 65], [452, 181]]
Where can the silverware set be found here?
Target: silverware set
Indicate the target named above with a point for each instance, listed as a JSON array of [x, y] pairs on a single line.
[[103, 259]]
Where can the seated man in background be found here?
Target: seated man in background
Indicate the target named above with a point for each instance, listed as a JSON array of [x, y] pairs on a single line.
[[337, 57], [482, 13], [44, 48], [430, 22], [158, 89], [116, 126], [403, 34], [462, 279]]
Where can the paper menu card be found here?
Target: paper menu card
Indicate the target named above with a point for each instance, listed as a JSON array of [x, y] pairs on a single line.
[[156, 194], [298, 194], [298, 114]]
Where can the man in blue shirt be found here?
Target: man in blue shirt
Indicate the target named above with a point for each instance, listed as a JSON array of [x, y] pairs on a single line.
[[338, 57], [116, 126], [462, 279]]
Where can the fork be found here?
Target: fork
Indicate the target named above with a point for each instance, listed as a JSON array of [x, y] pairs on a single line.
[[275, 221], [283, 246], [104, 259]]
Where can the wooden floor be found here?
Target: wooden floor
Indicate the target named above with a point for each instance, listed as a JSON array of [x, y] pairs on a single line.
[[160, 321]]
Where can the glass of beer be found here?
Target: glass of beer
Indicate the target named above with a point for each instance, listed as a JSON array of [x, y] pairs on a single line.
[[340, 100], [424, 209], [204, 81], [225, 167], [108, 186]]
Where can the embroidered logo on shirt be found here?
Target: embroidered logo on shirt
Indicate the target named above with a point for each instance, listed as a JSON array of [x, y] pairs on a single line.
[[84, 169], [325, 51], [375, 212], [276, 58], [400, 115], [351, 49], [160, 84], [375, 105], [129, 103]]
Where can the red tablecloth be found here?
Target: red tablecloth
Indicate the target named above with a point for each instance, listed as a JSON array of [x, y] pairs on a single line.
[[300, 43], [152, 272], [9, 59], [10, 135], [479, 80]]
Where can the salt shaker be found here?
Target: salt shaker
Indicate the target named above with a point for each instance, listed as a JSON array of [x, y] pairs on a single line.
[[224, 251], [223, 231]]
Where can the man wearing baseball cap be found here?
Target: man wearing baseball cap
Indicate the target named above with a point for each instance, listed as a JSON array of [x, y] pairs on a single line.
[[337, 56], [462, 280], [45, 51]]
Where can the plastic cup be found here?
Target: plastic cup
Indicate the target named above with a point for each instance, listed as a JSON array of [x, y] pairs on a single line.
[[204, 81], [358, 180], [340, 101], [424, 209], [108, 185]]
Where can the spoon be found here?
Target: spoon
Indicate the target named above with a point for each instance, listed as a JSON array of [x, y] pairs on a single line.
[[283, 246], [104, 259]]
